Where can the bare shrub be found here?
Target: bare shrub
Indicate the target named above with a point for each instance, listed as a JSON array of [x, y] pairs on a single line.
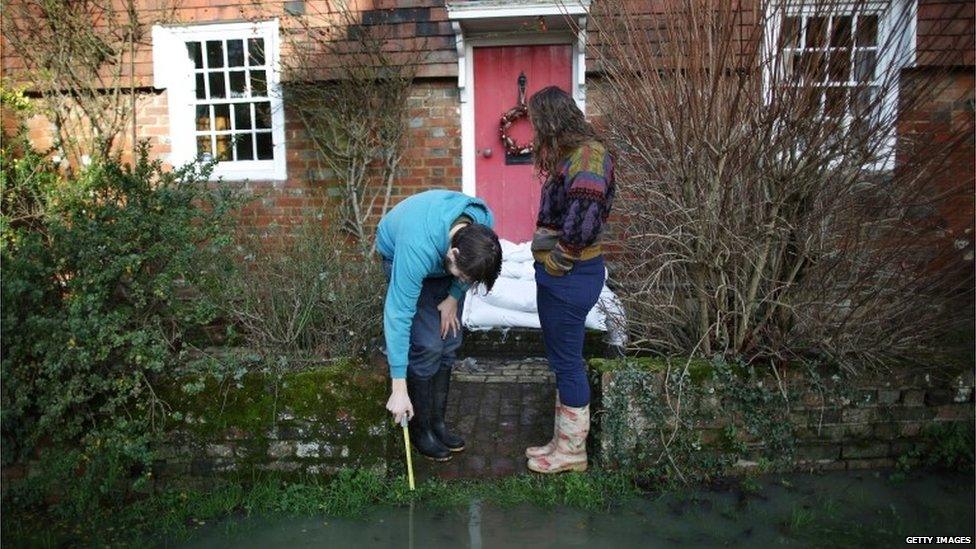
[[79, 58], [767, 213], [350, 90], [304, 292]]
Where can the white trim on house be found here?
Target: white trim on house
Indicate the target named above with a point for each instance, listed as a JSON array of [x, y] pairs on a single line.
[[488, 9], [173, 71], [465, 16]]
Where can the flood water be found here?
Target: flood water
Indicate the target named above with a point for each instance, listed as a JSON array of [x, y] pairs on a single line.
[[844, 509]]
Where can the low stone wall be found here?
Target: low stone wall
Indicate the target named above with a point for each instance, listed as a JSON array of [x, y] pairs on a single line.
[[709, 418], [311, 422], [688, 420]]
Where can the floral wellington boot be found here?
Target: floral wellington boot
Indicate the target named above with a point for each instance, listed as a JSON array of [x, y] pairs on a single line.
[[570, 452], [536, 451]]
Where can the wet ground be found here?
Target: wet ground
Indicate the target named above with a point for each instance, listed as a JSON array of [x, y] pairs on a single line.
[[841, 509]]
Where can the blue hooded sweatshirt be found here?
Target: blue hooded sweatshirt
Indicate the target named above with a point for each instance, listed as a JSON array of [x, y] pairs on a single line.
[[414, 235]]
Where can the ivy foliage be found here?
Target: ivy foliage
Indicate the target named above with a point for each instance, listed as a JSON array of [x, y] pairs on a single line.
[[690, 420]]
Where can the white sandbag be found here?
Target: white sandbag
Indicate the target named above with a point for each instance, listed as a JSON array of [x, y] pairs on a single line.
[[513, 294], [516, 253], [523, 270], [512, 304], [479, 315]]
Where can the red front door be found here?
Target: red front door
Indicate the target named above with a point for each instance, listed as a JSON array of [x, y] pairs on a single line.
[[511, 189]]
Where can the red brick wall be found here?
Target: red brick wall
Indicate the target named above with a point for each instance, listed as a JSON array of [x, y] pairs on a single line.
[[945, 59], [945, 120], [409, 24], [432, 159], [945, 33]]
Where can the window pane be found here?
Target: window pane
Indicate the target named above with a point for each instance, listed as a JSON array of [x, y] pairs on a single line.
[[221, 117], [867, 30], [203, 146], [215, 54], [811, 65], [791, 32], [840, 34], [203, 118], [797, 66], [244, 146], [265, 148], [255, 51], [862, 100], [835, 102], [259, 85], [237, 84], [242, 116], [201, 88], [217, 88], [223, 147], [864, 63], [196, 55], [840, 65], [262, 115], [235, 53], [816, 32], [818, 100]]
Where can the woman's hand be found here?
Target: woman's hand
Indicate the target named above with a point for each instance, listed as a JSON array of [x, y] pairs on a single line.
[[449, 316], [399, 403]]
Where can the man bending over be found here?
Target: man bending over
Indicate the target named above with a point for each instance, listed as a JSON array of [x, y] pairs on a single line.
[[434, 246]]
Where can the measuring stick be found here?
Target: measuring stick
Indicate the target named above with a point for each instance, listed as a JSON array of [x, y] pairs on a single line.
[[406, 446]]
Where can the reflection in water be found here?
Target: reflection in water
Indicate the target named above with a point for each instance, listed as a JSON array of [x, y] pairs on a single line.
[[474, 524], [835, 509]]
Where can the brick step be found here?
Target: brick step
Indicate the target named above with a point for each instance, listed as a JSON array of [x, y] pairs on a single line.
[[502, 370], [522, 342]]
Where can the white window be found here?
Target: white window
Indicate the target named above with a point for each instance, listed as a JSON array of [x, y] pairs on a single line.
[[848, 52], [224, 97], [844, 44]]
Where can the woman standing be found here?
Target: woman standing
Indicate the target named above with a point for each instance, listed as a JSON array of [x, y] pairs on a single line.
[[569, 269]]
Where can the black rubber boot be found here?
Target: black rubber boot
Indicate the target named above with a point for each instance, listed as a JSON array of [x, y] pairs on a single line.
[[442, 386], [421, 434]]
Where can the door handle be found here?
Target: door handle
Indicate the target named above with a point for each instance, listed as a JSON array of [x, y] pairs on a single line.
[[486, 152]]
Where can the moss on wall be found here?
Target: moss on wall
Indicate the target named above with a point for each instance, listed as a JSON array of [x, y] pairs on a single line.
[[315, 420], [699, 369]]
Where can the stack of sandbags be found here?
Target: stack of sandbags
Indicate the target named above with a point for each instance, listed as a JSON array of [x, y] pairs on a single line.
[[511, 302]]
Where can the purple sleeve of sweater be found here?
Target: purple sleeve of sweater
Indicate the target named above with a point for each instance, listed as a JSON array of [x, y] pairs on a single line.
[[586, 210]]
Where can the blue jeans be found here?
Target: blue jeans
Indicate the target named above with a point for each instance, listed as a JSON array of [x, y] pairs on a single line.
[[563, 303], [428, 352]]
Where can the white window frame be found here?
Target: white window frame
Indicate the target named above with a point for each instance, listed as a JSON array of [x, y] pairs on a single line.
[[174, 71], [901, 49]]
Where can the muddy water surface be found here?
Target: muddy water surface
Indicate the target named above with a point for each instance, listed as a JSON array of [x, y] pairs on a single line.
[[863, 509]]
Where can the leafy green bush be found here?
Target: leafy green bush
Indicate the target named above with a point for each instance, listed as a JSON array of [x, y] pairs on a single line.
[[949, 446], [98, 269]]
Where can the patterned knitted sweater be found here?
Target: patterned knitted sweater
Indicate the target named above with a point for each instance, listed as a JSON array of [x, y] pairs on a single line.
[[575, 205]]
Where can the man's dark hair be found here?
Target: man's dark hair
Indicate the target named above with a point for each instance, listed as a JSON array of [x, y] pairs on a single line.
[[479, 253]]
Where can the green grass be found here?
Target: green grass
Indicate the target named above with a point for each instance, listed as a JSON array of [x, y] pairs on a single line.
[[824, 525], [174, 513]]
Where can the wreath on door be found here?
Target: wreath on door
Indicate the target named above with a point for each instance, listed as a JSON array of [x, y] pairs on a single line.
[[521, 110]]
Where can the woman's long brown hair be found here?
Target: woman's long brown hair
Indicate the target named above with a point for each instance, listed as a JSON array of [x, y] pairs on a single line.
[[559, 128]]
